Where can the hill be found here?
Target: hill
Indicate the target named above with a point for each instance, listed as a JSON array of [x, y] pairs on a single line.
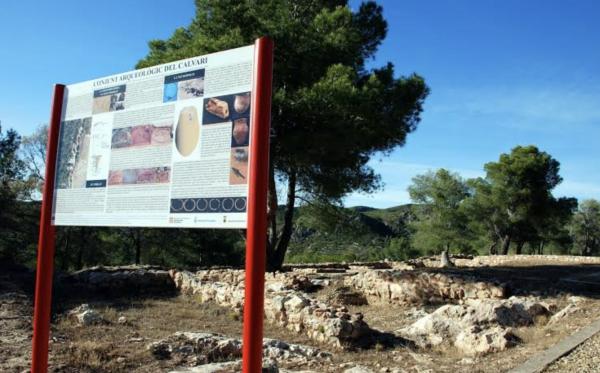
[[330, 233]]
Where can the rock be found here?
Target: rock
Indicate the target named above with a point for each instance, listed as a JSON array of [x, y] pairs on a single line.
[[204, 348], [346, 296], [275, 287], [415, 313], [161, 350], [301, 283], [410, 287], [358, 369], [284, 305], [477, 342], [321, 282], [477, 327], [296, 302], [515, 311], [564, 313], [445, 261], [85, 315], [576, 299], [226, 367], [122, 320], [122, 280]]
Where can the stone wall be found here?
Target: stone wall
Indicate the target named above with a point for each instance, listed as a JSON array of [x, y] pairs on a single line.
[[498, 260], [402, 287], [285, 304], [120, 280]]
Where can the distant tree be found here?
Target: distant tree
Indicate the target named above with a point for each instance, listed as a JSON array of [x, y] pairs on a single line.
[[553, 228], [330, 114], [33, 154], [514, 201], [11, 173], [442, 221], [585, 228], [11, 167]]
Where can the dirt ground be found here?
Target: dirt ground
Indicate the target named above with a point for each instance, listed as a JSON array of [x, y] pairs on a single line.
[[116, 347]]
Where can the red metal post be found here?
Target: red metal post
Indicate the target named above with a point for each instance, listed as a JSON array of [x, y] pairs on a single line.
[[45, 257], [256, 236]]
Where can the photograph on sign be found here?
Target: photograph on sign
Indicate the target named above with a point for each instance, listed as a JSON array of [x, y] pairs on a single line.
[[164, 146]]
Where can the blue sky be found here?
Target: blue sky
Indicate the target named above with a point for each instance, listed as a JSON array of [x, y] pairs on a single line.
[[502, 73]]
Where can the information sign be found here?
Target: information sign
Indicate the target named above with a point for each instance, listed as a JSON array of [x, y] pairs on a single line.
[[164, 146]]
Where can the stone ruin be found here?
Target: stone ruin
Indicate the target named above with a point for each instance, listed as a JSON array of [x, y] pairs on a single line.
[[419, 287], [285, 304], [121, 280], [192, 349], [479, 319]]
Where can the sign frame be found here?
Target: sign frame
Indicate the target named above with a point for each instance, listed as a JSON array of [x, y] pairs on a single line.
[[256, 219]]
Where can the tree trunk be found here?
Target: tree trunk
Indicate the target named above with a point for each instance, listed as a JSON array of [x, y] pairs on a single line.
[[492, 249], [276, 254], [587, 249], [79, 263], [272, 213], [519, 248], [505, 245], [138, 245], [65, 257]]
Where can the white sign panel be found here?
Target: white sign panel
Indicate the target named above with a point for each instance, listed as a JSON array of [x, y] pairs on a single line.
[[164, 146]]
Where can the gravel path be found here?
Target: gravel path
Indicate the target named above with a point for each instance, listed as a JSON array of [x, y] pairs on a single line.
[[584, 359]]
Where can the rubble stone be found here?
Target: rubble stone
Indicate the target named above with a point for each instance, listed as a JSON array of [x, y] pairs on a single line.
[[415, 287], [284, 304], [564, 313], [347, 296], [204, 348], [477, 327], [358, 369], [126, 280], [85, 315]]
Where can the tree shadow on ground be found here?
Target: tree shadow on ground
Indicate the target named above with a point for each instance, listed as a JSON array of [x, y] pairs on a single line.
[[381, 340]]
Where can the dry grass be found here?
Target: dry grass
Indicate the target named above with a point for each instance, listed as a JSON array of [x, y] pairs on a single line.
[[114, 347]]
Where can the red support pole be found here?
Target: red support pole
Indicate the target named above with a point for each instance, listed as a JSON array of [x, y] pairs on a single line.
[[45, 257], [256, 237]]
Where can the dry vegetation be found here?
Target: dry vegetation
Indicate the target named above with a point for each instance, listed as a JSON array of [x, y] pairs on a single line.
[[120, 343]]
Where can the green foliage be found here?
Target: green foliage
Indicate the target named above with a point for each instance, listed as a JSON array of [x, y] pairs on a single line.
[[11, 173], [330, 233], [443, 222], [447, 213], [33, 154], [329, 114], [399, 248], [11, 167], [398, 218], [585, 228], [515, 199], [22, 173]]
